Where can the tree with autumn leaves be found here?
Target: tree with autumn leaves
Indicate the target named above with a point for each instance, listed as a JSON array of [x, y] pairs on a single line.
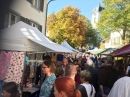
[[115, 17], [68, 24]]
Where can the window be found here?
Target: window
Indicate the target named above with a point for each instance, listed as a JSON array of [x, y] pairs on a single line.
[[33, 24], [38, 4], [39, 27], [10, 19]]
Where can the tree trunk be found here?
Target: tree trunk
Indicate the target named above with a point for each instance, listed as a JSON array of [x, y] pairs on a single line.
[[124, 36]]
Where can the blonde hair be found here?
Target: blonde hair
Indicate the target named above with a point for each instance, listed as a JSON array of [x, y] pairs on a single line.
[[86, 75]]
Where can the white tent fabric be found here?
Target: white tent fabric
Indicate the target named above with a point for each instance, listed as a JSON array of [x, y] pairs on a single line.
[[23, 37], [95, 49], [65, 44]]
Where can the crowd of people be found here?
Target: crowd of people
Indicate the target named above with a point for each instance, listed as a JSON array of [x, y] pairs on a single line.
[[85, 76]]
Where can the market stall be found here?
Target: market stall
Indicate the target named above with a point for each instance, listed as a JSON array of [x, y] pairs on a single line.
[[15, 42], [65, 44], [95, 51], [24, 37], [123, 51], [107, 51]]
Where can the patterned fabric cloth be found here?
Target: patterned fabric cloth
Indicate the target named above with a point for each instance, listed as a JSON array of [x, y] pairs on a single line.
[[4, 63], [121, 88], [15, 70], [47, 86]]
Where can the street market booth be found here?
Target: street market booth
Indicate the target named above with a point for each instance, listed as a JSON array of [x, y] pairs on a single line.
[[95, 51], [107, 51], [124, 54], [123, 51], [15, 42], [65, 44], [74, 55]]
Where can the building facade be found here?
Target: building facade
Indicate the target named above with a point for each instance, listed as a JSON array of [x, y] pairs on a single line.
[[114, 41], [32, 12], [96, 15]]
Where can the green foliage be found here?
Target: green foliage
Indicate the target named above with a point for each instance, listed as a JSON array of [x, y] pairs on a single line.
[[68, 24], [115, 17]]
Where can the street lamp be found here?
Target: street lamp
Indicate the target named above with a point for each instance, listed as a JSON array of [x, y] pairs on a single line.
[[46, 14]]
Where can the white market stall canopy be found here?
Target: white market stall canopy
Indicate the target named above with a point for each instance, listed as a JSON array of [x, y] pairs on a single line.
[[65, 44], [95, 51], [23, 37]]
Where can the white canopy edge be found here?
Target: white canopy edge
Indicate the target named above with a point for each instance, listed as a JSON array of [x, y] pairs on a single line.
[[23, 37]]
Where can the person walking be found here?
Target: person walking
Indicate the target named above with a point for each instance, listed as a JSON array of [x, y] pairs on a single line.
[[107, 76], [64, 63], [65, 87], [121, 88], [85, 77], [71, 73]]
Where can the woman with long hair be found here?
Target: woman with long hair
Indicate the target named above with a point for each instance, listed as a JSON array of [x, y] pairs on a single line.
[[48, 68], [65, 87], [10, 89]]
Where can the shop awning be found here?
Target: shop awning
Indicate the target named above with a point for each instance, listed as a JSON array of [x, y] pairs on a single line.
[[23, 37], [95, 51], [125, 50], [65, 44], [107, 51]]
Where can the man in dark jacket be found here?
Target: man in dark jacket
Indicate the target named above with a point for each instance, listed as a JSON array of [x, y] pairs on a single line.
[[107, 76]]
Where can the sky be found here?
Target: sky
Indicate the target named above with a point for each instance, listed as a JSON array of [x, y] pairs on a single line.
[[85, 6]]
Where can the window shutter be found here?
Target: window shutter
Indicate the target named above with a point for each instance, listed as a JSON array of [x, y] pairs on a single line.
[[41, 5], [40, 28]]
